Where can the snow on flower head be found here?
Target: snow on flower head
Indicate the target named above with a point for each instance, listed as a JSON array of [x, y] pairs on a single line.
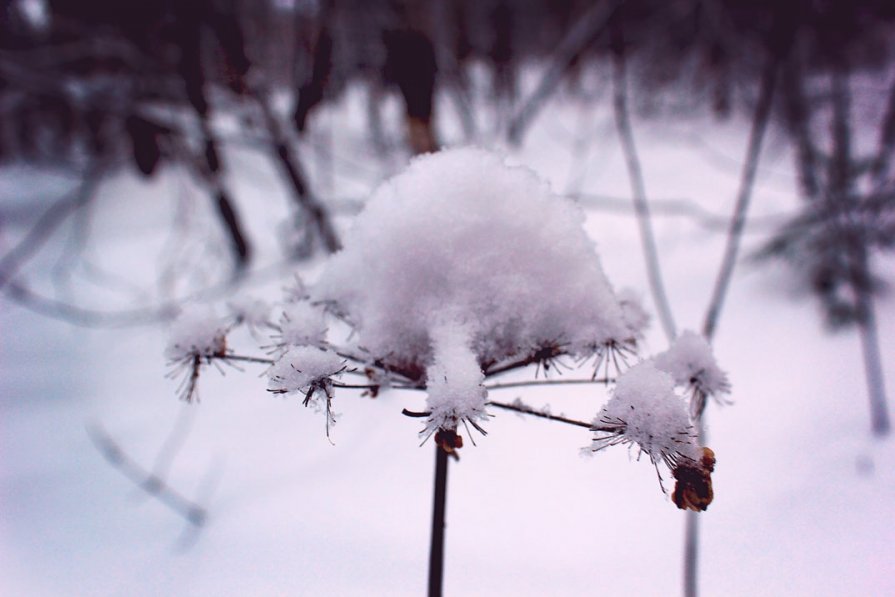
[[463, 233], [691, 363], [310, 371], [645, 410], [197, 332], [304, 369], [197, 337], [454, 382]]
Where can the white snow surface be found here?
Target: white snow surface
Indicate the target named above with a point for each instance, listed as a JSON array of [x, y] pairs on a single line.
[[460, 236]]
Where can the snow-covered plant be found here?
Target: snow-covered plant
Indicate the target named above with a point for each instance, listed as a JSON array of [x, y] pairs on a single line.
[[461, 238], [198, 336], [463, 268], [645, 410]]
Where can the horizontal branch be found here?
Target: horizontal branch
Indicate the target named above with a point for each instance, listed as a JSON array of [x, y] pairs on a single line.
[[527, 410], [547, 382]]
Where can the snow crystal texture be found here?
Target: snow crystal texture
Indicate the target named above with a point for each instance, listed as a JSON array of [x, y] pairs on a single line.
[[460, 237]]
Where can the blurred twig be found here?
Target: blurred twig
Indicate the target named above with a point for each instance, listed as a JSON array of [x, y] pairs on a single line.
[[46, 225], [578, 37], [678, 207], [641, 206], [148, 482], [738, 219]]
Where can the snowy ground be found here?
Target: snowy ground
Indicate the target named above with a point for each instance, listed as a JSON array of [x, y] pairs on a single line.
[[804, 499]]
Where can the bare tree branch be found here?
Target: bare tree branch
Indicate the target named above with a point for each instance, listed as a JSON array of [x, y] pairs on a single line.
[[579, 36]]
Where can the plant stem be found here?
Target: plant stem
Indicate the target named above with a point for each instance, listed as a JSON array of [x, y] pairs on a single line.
[[738, 221], [436, 550], [879, 414], [525, 410], [638, 189], [585, 30]]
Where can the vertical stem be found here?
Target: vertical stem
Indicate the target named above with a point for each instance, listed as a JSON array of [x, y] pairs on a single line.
[[735, 232], [691, 532], [638, 188], [691, 553], [436, 551], [738, 221], [879, 415], [583, 32]]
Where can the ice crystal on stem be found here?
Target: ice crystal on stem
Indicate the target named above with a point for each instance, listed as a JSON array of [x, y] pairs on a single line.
[[252, 312], [301, 324], [691, 362]]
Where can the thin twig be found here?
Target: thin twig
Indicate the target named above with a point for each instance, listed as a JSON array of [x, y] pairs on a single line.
[[578, 38], [526, 410], [46, 225], [738, 219], [291, 166], [547, 382], [148, 482], [638, 188]]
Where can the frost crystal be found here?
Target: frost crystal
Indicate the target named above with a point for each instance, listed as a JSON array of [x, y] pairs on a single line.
[[633, 313], [691, 363], [197, 332], [253, 312], [644, 410], [462, 235], [302, 324], [454, 382]]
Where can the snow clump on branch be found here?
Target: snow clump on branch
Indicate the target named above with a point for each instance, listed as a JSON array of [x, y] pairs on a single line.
[[645, 410], [460, 237], [691, 362], [454, 382], [196, 332]]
